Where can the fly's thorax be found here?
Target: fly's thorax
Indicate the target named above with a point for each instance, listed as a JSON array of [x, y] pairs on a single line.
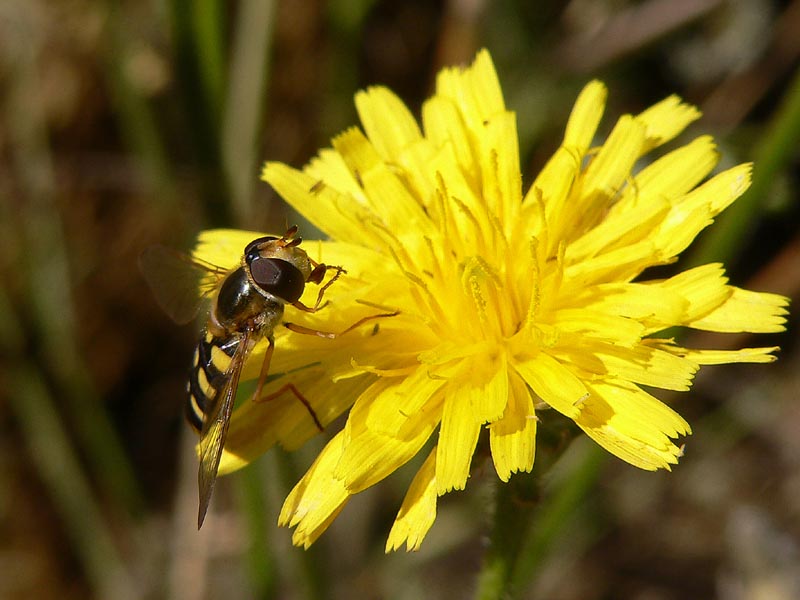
[[239, 302]]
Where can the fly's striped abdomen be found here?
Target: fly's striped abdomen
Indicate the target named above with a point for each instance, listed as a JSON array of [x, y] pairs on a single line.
[[208, 375]]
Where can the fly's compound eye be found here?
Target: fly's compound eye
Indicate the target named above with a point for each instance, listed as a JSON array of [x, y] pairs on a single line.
[[277, 277]]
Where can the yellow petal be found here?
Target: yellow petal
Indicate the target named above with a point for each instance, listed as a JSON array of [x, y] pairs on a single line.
[[618, 229], [502, 181], [475, 90], [672, 175], [337, 214], [665, 120], [388, 412], [223, 247], [620, 264], [482, 80], [632, 424], [458, 203], [512, 439], [317, 498], [704, 289], [444, 126], [551, 381], [328, 169], [612, 165], [389, 125], [488, 396], [390, 201], [603, 326], [256, 426], [645, 303], [641, 364], [722, 357], [414, 167], [653, 190], [585, 118], [554, 182], [458, 436], [696, 210], [368, 456], [744, 310], [418, 510]]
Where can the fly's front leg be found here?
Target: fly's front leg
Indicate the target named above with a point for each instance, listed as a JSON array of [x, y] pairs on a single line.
[[316, 276]]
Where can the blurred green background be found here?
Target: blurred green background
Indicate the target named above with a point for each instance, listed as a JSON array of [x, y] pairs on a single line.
[[124, 124]]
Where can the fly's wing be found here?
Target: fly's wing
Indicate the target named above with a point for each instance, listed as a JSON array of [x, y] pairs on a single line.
[[179, 282], [215, 427]]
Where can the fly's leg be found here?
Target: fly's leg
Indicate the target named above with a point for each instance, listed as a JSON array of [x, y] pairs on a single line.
[[317, 276], [262, 378], [290, 387], [332, 334]]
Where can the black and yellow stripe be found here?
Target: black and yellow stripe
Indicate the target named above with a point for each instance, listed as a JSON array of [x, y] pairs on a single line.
[[212, 357]]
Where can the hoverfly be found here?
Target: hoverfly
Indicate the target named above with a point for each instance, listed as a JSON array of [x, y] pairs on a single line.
[[247, 304]]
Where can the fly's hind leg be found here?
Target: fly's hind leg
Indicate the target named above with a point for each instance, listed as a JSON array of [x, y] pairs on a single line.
[[262, 379], [290, 387]]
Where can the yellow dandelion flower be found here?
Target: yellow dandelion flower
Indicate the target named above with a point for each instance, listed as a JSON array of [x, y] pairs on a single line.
[[510, 302]]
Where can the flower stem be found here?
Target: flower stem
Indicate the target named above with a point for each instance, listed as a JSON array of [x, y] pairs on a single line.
[[564, 499], [531, 511], [515, 504], [260, 558]]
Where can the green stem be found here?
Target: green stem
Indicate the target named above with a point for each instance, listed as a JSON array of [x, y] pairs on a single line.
[[201, 88], [526, 528], [261, 566], [563, 500], [245, 103], [515, 506]]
